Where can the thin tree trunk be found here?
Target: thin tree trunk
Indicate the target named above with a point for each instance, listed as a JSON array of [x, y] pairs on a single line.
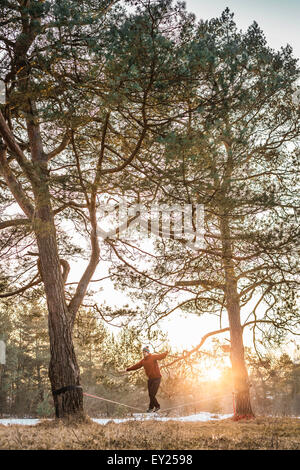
[[3, 391], [38, 372]]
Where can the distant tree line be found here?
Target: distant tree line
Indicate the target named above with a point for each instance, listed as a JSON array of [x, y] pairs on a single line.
[[25, 387]]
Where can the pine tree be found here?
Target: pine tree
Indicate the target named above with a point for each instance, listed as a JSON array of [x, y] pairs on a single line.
[[235, 153]]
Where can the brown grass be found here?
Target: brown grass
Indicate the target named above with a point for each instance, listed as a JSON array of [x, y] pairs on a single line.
[[258, 434]]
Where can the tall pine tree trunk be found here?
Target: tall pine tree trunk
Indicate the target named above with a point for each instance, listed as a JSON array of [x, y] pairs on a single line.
[[63, 368], [240, 375]]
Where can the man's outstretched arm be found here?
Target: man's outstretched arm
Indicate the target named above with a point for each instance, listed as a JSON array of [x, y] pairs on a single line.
[[136, 366], [158, 357]]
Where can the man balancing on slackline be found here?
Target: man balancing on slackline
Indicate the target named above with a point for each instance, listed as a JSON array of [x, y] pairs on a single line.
[[150, 364]]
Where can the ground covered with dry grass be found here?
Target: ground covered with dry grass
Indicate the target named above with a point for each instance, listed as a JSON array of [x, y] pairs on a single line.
[[261, 433]]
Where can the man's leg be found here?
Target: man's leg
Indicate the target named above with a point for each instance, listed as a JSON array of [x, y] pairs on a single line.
[[150, 391], [153, 386]]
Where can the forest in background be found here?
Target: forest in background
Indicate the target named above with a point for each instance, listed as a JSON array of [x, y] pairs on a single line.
[[25, 388]]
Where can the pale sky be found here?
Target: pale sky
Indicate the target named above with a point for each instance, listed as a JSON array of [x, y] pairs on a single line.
[[278, 19]]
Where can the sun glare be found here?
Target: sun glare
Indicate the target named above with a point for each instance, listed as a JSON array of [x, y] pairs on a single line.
[[213, 373]]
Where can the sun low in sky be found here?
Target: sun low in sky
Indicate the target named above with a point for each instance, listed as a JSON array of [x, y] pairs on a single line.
[[213, 373]]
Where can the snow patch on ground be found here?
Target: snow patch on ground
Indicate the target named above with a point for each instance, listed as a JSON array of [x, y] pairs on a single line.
[[136, 417], [23, 422], [145, 417]]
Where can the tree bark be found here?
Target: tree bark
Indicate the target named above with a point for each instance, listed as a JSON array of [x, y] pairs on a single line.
[[240, 375], [63, 368]]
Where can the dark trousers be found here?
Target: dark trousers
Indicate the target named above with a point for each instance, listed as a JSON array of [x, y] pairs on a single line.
[[153, 386]]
